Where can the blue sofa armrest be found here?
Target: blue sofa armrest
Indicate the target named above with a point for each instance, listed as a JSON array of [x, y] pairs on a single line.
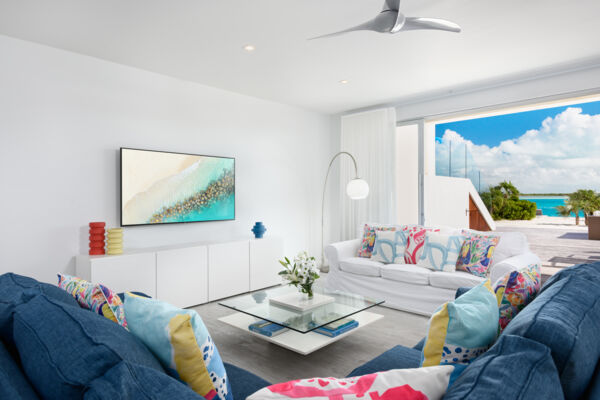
[[460, 291], [419, 346], [243, 383], [398, 357]]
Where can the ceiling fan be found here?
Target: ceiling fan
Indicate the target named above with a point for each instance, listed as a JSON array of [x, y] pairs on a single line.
[[391, 20]]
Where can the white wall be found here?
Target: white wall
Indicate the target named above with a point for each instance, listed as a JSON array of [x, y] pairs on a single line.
[[447, 202], [63, 117]]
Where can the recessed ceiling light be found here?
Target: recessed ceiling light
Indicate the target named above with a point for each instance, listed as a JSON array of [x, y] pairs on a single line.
[[344, 81], [249, 48]]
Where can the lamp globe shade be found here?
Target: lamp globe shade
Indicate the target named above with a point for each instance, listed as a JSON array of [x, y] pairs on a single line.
[[357, 189]]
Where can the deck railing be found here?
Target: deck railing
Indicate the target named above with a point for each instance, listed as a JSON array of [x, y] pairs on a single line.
[[454, 159]]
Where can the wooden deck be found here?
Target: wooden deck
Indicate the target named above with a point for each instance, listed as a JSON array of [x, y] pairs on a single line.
[[558, 247]]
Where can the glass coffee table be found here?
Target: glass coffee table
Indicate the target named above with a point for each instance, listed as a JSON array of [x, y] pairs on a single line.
[[299, 336]]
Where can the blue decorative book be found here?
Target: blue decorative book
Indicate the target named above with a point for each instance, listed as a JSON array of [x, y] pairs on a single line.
[[267, 328], [337, 328]]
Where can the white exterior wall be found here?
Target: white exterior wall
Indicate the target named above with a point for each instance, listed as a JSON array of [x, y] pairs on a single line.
[[447, 202]]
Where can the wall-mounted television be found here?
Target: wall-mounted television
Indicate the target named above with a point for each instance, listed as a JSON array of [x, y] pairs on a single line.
[[159, 187]]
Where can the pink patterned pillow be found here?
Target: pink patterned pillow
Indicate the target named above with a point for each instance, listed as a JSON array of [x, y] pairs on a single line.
[[415, 242], [427, 383], [369, 236]]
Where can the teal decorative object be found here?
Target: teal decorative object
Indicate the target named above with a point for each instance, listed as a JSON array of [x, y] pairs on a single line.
[[259, 230]]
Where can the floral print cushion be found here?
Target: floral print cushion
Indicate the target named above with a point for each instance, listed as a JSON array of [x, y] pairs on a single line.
[[476, 253], [368, 240], [95, 297], [515, 290]]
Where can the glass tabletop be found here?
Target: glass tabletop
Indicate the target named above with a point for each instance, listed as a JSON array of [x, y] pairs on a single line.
[[259, 304]]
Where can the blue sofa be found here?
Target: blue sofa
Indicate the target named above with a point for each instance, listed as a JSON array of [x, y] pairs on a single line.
[[51, 348]]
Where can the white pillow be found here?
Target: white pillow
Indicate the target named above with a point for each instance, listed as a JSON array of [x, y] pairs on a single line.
[[441, 251], [389, 246], [393, 384], [511, 244]]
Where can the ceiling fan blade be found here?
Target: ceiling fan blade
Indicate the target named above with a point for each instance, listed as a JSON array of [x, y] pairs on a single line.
[[367, 26], [391, 5], [413, 23]]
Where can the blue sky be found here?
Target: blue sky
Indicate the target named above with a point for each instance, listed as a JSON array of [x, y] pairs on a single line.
[[493, 130]]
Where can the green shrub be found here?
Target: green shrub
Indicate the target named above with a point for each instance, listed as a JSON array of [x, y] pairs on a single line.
[[503, 203]]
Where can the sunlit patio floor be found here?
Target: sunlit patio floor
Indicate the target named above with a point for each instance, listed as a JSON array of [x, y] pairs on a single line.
[[556, 240]]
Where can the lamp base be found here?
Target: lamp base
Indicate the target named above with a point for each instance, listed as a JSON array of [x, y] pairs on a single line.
[[324, 267]]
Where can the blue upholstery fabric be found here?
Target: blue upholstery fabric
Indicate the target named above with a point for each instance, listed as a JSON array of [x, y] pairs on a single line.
[[565, 316], [514, 368], [593, 391], [460, 291], [13, 384], [12, 288], [419, 346], [398, 357], [243, 383], [131, 381], [64, 348]]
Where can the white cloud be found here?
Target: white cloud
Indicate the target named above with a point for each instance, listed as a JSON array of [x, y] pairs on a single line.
[[563, 155]]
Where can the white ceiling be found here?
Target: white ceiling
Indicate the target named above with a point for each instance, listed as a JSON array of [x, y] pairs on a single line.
[[202, 40]]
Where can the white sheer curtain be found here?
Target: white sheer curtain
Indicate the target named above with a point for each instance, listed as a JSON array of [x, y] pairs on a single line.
[[371, 138]]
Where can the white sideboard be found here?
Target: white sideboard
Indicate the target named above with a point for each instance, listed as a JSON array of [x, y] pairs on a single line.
[[191, 274]]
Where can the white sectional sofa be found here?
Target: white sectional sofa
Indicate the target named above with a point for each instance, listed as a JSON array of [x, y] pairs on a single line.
[[413, 288]]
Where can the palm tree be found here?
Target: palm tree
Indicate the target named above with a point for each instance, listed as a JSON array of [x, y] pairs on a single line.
[[584, 200], [564, 211], [576, 206]]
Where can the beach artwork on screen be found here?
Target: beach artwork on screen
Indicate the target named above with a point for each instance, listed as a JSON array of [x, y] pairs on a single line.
[[162, 187]]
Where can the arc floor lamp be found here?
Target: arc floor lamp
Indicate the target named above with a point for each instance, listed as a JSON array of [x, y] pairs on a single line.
[[356, 189]]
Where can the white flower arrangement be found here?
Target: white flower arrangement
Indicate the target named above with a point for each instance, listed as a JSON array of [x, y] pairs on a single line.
[[302, 273]]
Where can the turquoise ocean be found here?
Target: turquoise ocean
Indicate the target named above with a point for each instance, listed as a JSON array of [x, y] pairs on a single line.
[[548, 204]]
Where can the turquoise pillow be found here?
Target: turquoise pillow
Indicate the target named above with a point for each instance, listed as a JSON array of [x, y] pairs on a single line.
[[181, 342], [462, 329]]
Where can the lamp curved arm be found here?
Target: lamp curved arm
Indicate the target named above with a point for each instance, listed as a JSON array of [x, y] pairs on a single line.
[[323, 199]]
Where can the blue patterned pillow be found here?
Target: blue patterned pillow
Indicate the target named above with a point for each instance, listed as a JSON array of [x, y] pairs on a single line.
[[441, 251], [389, 246], [181, 342]]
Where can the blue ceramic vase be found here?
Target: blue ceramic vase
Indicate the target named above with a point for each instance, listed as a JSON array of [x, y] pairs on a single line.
[[259, 230]]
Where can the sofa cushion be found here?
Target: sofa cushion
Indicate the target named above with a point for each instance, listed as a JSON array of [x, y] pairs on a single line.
[[462, 329], [13, 384], [454, 280], [565, 316], [369, 236], [441, 251], [95, 297], [406, 273], [132, 381], [389, 246], [243, 383], [12, 290], [515, 290], [476, 254], [398, 357], [511, 244], [405, 384], [361, 266], [181, 342], [64, 348], [514, 368]]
